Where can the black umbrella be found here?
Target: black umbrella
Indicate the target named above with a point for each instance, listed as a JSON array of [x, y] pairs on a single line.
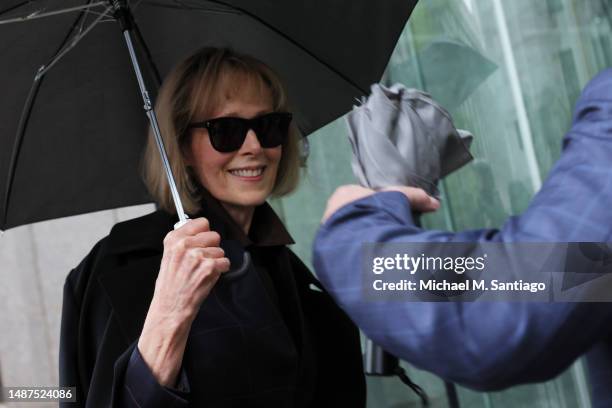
[[72, 138]]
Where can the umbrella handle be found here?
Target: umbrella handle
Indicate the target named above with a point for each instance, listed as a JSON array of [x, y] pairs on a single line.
[[234, 274], [181, 222]]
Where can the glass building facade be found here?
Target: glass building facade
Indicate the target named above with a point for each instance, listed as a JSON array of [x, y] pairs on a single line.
[[510, 72]]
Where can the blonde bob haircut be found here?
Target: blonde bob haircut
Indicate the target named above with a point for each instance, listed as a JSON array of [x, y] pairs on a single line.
[[190, 93]]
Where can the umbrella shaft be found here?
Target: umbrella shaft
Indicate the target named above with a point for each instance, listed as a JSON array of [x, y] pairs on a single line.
[[155, 127]]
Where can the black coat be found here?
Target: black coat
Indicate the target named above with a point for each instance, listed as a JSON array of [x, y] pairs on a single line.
[[296, 348]]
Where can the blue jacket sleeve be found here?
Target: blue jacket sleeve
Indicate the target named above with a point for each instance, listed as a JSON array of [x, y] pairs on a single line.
[[141, 389], [487, 345]]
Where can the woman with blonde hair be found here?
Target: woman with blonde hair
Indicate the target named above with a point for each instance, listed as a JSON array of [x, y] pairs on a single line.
[[148, 318]]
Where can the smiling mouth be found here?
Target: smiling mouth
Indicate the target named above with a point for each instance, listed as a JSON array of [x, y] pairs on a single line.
[[248, 171]]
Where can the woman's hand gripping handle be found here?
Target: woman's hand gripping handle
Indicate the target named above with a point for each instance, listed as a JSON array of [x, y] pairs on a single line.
[[191, 265]]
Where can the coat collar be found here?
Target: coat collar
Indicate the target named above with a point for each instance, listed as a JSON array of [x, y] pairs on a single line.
[[148, 232]]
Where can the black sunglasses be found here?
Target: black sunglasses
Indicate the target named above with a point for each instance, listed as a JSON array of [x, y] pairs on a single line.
[[227, 134]]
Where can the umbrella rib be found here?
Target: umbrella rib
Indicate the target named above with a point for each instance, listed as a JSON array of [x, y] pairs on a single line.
[[25, 115], [27, 109], [179, 4], [15, 7], [75, 40], [37, 14], [78, 21]]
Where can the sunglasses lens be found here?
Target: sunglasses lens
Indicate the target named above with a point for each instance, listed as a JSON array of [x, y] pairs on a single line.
[[272, 129], [227, 134]]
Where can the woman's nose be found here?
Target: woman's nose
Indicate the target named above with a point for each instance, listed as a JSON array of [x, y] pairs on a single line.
[[251, 143]]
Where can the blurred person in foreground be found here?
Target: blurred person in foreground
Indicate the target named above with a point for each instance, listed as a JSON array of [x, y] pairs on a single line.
[[488, 345]]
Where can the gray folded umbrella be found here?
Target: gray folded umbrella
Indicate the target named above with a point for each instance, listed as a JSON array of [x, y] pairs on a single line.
[[401, 136]]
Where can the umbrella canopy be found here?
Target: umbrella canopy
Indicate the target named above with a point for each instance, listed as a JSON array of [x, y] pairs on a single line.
[[82, 138]]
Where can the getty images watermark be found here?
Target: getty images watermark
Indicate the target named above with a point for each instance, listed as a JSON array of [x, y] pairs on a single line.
[[539, 272]]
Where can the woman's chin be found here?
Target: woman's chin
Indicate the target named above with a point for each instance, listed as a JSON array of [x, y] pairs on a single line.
[[246, 199]]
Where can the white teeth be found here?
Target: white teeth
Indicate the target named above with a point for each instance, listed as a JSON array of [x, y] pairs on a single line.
[[247, 172]]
